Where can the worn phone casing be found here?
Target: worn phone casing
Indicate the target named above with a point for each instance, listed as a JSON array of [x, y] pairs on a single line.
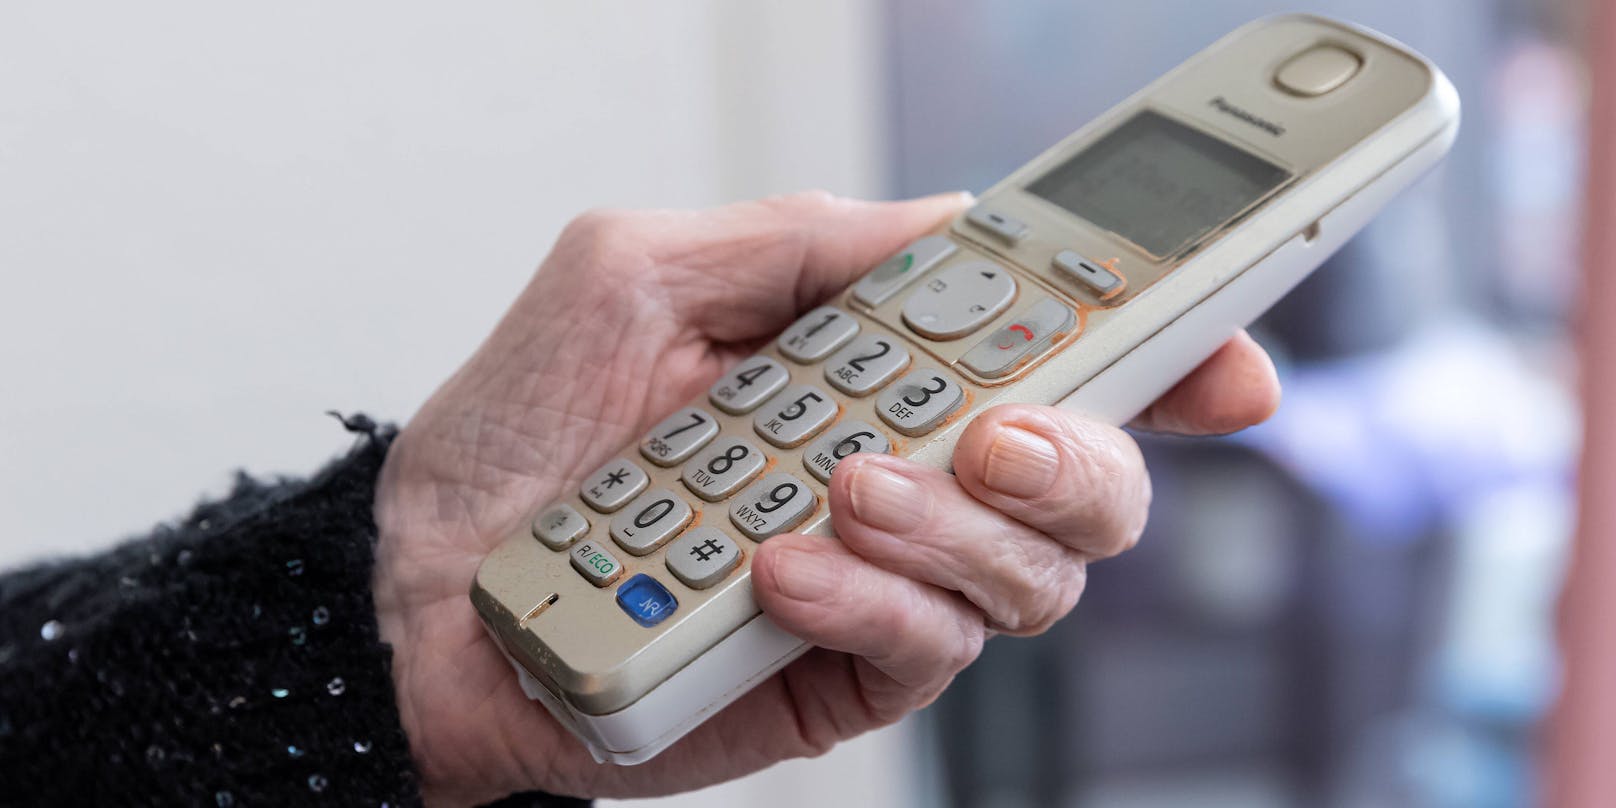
[[628, 691]]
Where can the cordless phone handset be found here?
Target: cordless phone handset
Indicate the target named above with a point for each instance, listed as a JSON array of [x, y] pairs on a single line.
[[1094, 277]]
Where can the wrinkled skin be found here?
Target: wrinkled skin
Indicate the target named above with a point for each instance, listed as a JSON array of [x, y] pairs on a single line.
[[631, 315]]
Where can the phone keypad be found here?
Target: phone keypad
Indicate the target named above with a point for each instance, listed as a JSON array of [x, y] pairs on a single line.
[[596, 563], [794, 415], [650, 520], [866, 364], [870, 374], [721, 468], [846, 438], [748, 385], [703, 556], [679, 436], [559, 525], [814, 335], [613, 484], [919, 402], [773, 505]]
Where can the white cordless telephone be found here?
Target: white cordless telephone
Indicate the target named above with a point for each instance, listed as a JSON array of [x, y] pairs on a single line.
[[1094, 277]]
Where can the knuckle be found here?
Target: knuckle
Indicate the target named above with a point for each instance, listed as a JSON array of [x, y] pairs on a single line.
[[817, 199], [1109, 487], [600, 239], [1045, 593], [967, 647]]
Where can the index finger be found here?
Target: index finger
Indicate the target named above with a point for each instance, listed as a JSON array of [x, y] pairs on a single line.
[[1235, 388]]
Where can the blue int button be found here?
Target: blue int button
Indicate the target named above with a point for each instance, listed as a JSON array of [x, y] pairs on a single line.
[[645, 600]]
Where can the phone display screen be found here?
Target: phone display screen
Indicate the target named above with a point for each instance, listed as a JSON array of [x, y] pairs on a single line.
[[1159, 183]]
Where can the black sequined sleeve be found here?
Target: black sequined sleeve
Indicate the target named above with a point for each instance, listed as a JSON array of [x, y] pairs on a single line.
[[229, 660]]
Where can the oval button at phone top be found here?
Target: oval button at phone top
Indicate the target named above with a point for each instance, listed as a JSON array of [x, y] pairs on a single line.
[[959, 299], [1317, 70], [1010, 347], [896, 272], [815, 334]]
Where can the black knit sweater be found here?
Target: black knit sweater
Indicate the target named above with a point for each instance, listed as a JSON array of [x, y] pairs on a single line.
[[231, 659]]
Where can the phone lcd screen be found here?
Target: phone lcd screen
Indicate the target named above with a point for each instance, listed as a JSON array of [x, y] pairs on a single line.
[[1159, 183]]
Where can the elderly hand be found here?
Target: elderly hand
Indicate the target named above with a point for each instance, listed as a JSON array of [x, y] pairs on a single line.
[[927, 566]]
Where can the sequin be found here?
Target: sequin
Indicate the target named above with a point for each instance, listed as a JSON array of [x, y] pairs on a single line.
[[73, 655], [257, 611], [184, 557], [237, 702], [204, 524], [280, 692], [321, 616], [336, 686], [293, 751], [362, 747], [224, 799], [299, 636], [51, 630], [154, 755], [294, 567], [316, 782]]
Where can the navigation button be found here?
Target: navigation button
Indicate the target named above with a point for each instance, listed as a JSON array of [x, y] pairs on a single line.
[[959, 299]]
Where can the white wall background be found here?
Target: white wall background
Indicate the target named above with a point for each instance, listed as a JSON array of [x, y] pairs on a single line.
[[219, 220]]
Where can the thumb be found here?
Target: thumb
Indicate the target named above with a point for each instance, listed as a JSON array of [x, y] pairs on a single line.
[[748, 269]]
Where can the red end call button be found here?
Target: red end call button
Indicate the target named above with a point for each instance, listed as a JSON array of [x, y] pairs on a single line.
[[1012, 346]]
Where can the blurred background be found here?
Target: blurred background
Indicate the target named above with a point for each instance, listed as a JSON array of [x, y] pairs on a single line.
[[221, 220]]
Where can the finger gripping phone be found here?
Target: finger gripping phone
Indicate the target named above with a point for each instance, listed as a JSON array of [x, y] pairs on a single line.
[[1094, 277]]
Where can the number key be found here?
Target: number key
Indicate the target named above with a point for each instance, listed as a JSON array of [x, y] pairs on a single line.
[[795, 415], [748, 385], [842, 440], [650, 520], [919, 402], [772, 505], [679, 436], [867, 363], [816, 334], [716, 471]]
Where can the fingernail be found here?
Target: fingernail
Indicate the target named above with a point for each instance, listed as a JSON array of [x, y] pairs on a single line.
[[804, 576], [1021, 463], [887, 501]]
